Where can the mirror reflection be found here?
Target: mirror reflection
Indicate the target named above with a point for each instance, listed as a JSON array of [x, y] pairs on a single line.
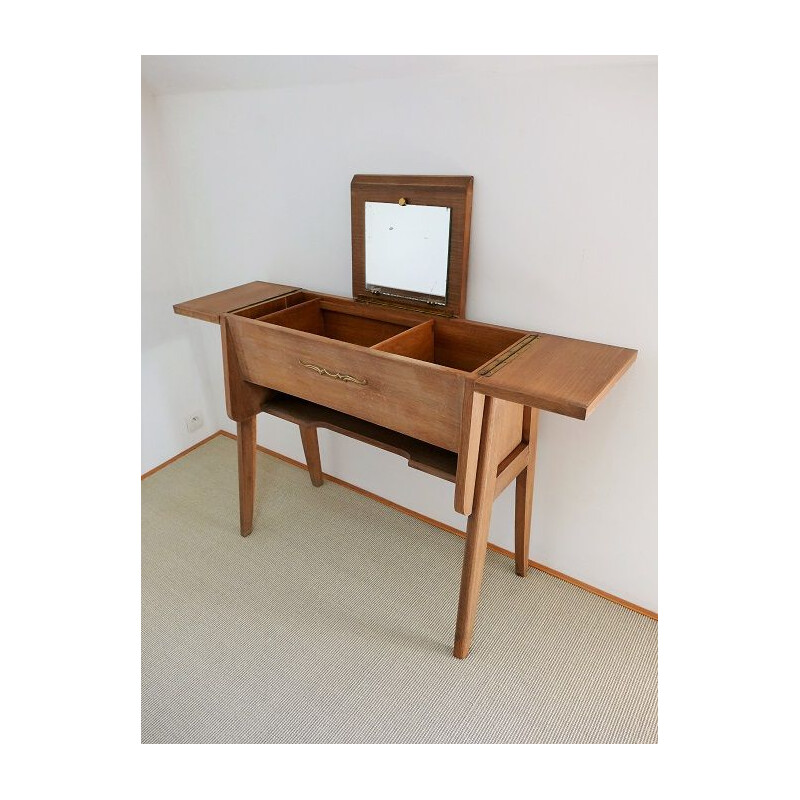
[[407, 248]]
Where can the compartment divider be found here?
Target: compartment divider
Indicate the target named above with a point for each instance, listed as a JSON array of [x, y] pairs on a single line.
[[416, 342], [304, 310], [265, 307]]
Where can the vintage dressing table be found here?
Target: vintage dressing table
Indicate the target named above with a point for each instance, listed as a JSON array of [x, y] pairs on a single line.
[[398, 367]]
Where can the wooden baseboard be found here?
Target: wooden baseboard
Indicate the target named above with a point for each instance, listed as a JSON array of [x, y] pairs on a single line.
[[183, 453], [428, 520]]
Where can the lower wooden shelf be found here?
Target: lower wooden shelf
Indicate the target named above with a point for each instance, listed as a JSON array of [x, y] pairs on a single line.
[[420, 455]]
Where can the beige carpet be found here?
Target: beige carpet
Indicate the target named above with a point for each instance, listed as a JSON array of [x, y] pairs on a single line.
[[333, 622]]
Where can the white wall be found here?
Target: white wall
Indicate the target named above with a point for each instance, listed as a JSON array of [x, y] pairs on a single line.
[[563, 241], [175, 381]]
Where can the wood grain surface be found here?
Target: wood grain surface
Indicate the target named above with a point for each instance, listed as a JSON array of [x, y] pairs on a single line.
[[413, 397], [567, 376], [211, 306]]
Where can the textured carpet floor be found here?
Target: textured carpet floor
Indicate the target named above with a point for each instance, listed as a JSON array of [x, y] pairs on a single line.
[[333, 622]]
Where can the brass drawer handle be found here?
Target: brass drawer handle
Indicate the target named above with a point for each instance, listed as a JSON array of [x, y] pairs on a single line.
[[338, 375]]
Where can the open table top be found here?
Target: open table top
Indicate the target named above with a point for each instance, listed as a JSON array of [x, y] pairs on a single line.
[[552, 373]]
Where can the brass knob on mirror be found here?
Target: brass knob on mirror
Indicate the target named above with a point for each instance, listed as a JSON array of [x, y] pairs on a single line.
[[402, 201]]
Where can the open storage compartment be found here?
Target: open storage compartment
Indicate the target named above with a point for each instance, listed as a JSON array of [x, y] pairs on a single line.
[[331, 321], [459, 345], [260, 310]]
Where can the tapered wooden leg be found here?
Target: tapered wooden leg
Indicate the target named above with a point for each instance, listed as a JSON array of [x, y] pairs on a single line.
[[308, 435], [524, 494], [246, 445], [477, 531]]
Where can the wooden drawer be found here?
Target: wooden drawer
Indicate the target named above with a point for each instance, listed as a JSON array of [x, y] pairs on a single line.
[[417, 398]]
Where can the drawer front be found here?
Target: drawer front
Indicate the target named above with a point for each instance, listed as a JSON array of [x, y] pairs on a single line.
[[413, 397]]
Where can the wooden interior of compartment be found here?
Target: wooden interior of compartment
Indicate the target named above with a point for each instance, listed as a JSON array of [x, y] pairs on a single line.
[[278, 304], [458, 345], [326, 319], [416, 342]]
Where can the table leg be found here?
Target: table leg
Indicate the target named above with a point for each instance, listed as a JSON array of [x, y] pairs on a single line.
[[523, 505], [308, 435], [477, 531], [246, 446]]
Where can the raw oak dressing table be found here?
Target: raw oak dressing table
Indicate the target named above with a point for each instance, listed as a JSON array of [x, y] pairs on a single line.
[[398, 367]]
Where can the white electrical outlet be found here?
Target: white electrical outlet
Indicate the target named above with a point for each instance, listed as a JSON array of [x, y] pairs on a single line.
[[194, 421]]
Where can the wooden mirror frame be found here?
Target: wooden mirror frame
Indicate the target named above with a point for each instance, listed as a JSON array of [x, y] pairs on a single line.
[[454, 192]]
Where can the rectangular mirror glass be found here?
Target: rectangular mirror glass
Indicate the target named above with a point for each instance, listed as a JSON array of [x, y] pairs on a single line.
[[407, 249]]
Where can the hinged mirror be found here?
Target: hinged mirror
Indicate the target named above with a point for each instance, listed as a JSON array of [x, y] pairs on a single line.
[[411, 241]]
